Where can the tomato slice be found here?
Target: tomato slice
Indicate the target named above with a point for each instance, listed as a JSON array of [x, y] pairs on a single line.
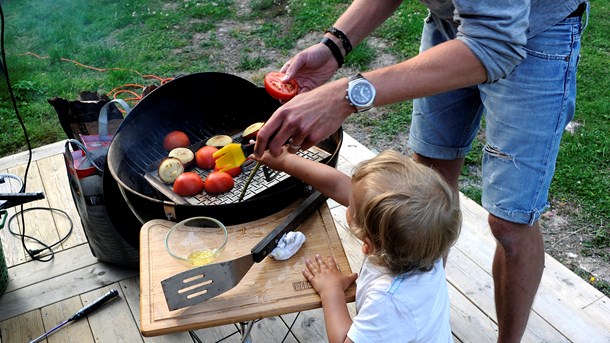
[[218, 182], [278, 89], [204, 158], [188, 184]]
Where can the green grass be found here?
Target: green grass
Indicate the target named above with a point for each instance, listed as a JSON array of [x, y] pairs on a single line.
[[129, 39]]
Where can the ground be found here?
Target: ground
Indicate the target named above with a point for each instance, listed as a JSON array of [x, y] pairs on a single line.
[[565, 234]]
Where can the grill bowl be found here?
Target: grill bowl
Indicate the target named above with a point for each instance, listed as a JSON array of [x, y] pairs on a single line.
[[201, 105]]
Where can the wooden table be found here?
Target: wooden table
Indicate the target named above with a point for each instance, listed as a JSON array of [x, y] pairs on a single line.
[[270, 288]]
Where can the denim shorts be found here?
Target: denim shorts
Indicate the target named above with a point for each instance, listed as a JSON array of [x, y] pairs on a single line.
[[525, 116]]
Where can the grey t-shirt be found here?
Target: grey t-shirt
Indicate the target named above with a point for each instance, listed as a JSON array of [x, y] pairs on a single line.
[[497, 30]]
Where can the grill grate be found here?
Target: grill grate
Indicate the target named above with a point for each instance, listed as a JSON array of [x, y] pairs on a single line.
[[263, 180]]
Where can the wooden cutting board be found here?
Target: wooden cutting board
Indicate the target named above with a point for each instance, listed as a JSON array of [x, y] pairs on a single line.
[[270, 288]]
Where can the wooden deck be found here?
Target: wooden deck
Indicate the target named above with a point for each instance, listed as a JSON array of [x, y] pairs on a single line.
[[41, 295]]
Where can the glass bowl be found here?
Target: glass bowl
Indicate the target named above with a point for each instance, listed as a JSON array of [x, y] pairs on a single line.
[[196, 241]]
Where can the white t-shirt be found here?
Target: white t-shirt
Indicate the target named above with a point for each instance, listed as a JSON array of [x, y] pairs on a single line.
[[412, 307]]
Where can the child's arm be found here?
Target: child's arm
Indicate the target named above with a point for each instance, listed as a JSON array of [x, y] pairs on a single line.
[[324, 178], [330, 284]]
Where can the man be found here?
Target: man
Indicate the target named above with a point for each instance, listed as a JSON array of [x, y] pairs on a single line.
[[515, 61]]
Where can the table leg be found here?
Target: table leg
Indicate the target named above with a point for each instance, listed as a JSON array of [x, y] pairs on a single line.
[[246, 328]]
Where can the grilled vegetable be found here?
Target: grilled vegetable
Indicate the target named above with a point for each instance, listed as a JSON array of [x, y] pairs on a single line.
[[219, 141], [188, 184], [218, 182], [251, 131], [176, 139], [169, 169], [185, 155], [204, 158]]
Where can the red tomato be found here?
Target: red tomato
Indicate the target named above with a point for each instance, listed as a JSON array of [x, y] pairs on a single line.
[[176, 139], [188, 184], [279, 90], [204, 158], [218, 182], [234, 172]]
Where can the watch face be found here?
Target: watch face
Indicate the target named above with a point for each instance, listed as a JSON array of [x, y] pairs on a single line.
[[361, 94]]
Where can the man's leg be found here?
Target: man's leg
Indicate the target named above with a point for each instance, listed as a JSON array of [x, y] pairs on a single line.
[[518, 261], [517, 270], [449, 169]]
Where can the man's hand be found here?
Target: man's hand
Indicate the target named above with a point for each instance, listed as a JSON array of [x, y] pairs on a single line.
[[305, 120], [311, 67]]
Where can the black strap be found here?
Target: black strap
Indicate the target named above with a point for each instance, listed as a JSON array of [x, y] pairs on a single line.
[[334, 49], [347, 45]]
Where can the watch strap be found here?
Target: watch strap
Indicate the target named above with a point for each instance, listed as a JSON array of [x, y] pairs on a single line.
[[355, 77]]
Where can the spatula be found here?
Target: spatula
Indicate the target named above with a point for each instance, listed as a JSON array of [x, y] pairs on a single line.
[[202, 283]]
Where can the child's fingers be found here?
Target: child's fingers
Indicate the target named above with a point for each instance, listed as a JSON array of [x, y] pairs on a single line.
[[312, 266], [329, 263], [308, 276]]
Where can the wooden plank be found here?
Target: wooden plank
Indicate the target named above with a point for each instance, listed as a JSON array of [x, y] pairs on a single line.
[[61, 287], [562, 294], [38, 223], [589, 300], [309, 327], [113, 321], [65, 261], [11, 246], [345, 166], [131, 292], [270, 288], [270, 329], [475, 284], [57, 192], [354, 151], [351, 244], [38, 153], [74, 332], [226, 333], [23, 328], [468, 322], [13, 252]]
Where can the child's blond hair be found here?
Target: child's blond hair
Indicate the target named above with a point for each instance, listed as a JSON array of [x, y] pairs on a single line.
[[409, 212]]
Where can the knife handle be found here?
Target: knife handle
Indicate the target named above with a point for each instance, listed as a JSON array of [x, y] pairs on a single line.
[[294, 219]]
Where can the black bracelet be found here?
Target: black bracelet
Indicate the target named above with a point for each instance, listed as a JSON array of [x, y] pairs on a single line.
[[334, 49], [347, 45]]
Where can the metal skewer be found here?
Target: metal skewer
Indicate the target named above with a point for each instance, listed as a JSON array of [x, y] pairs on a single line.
[[81, 313]]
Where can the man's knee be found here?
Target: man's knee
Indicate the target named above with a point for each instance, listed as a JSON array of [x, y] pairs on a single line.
[[512, 236]]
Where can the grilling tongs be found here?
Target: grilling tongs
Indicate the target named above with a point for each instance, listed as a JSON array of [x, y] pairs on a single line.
[[202, 283]]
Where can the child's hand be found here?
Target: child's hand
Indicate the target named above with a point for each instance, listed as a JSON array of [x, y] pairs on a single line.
[[324, 275], [274, 162]]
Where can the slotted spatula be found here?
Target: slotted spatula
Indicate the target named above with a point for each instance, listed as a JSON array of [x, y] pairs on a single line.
[[202, 283]]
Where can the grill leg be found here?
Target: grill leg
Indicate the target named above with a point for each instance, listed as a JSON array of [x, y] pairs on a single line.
[[246, 328]]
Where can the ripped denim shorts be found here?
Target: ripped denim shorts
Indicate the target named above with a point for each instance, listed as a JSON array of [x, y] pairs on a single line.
[[525, 116]]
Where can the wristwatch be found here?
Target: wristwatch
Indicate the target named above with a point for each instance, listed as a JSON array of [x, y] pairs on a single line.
[[360, 93]]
